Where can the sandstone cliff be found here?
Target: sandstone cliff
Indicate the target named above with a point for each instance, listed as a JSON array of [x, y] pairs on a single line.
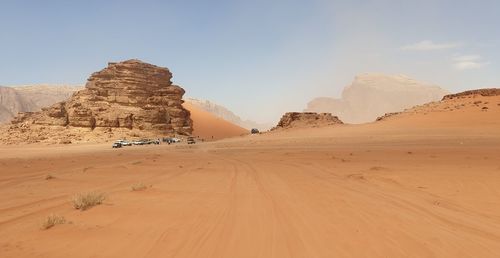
[[130, 95], [306, 119], [372, 95]]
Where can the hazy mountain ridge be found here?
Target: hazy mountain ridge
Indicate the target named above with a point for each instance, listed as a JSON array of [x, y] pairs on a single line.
[[372, 95], [29, 98], [12, 102], [44, 95]]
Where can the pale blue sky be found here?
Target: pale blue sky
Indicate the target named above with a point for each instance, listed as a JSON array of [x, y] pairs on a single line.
[[258, 58]]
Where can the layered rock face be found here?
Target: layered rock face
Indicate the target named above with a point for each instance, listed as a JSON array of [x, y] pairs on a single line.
[[372, 95], [130, 95], [306, 119]]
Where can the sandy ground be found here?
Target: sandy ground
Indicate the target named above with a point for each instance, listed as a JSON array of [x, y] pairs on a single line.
[[423, 184], [209, 127]]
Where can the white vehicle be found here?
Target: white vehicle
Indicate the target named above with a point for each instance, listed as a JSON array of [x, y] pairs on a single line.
[[124, 142], [176, 140]]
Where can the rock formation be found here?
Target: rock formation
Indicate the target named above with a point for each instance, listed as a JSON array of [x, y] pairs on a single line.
[[306, 119], [372, 95], [130, 95]]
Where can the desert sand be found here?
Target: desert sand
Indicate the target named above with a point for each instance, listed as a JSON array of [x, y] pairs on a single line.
[[424, 183], [209, 127]]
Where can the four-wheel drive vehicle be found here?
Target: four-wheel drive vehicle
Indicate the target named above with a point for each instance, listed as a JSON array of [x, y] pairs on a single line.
[[117, 145], [190, 140], [124, 143]]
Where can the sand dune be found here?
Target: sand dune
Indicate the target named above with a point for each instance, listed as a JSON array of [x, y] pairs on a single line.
[[420, 184], [210, 127]]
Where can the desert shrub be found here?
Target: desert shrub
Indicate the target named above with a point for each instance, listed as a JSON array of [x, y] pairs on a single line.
[[51, 221], [85, 201], [49, 177], [138, 187]]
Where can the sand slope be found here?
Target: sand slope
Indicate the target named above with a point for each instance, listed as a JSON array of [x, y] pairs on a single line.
[[386, 189], [210, 127]]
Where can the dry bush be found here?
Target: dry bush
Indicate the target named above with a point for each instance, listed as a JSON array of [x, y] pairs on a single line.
[[49, 177], [51, 221], [85, 201], [138, 187]]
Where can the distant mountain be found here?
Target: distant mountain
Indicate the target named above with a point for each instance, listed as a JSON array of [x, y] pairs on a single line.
[[44, 95], [11, 102], [226, 114], [29, 98], [372, 95]]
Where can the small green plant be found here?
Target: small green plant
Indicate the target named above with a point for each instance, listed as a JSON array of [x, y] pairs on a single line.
[[84, 201], [51, 221], [138, 187]]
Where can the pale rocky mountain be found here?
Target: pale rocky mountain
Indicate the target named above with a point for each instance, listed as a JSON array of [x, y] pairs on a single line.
[[125, 99], [11, 103], [226, 114], [44, 95], [372, 95], [30, 98]]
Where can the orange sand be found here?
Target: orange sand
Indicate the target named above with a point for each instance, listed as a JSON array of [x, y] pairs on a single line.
[[422, 184], [210, 127]]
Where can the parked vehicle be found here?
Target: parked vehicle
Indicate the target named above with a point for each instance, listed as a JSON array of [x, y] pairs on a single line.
[[124, 142], [138, 142], [117, 145], [255, 131], [190, 140]]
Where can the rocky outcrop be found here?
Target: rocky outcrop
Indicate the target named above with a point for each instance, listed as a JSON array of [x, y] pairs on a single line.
[[372, 95], [129, 95], [306, 119], [481, 92], [387, 115]]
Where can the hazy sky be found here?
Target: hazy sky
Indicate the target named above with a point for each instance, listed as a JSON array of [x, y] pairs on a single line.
[[258, 58]]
